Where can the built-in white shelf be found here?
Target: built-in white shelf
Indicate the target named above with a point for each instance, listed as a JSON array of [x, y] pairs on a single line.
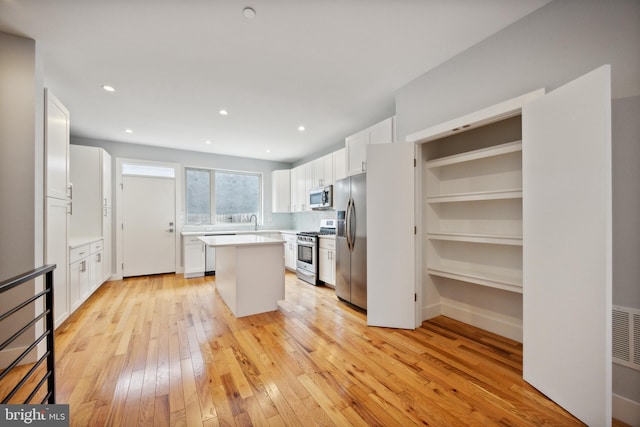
[[515, 193], [477, 238], [483, 153], [505, 283]]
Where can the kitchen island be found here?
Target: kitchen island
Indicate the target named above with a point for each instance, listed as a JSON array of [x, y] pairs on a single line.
[[249, 272]]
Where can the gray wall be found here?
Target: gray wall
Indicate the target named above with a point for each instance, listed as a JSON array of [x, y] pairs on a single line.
[[21, 202], [626, 224], [547, 48], [555, 44]]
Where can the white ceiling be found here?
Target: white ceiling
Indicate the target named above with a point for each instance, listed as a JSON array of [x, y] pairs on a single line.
[[330, 65]]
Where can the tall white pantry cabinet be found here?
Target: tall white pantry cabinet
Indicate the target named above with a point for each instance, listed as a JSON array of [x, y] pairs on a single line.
[[516, 199], [57, 200]]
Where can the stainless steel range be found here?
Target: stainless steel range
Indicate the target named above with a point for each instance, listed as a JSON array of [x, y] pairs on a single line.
[[307, 258]]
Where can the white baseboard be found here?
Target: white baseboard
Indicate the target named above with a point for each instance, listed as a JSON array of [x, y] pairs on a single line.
[[489, 321], [9, 355], [431, 311], [626, 410]]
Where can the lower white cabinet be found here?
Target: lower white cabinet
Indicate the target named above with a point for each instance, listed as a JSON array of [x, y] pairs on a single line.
[[78, 275], [327, 261], [96, 266], [86, 271], [290, 250], [194, 257]]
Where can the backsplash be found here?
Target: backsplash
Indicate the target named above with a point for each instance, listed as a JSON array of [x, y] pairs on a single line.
[[310, 221]]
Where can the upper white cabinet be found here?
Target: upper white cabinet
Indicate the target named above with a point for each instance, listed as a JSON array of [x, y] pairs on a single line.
[[322, 171], [56, 148], [281, 191], [290, 188], [356, 145], [340, 164], [86, 178], [301, 183]]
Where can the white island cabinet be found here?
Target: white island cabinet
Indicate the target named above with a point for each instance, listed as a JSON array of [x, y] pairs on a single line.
[[249, 272]]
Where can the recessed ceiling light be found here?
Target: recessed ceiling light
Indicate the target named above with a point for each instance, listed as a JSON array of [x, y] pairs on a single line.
[[301, 128], [128, 131], [268, 151], [249, 13], [109, 88], [207, 142], [223, 112]]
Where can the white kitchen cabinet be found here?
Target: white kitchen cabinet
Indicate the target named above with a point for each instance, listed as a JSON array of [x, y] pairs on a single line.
[[193, 250], [340, 164], [295, 203], [96, 266], [57, 252], [106, 216], [290, 250], [301, 183], [57, 201], [90, 173], [79, 276], [56, 157], [281, 191], [356, 145], [327, 260], [322, 171], [86, 271]]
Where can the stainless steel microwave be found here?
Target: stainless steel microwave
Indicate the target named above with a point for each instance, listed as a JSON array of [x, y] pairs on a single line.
[[321, 198]]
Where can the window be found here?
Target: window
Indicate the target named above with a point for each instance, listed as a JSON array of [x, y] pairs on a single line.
[[148, 170], [217, 196]]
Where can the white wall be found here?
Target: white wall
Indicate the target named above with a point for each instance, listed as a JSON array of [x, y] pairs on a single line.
[[555, 44], [21, 194]]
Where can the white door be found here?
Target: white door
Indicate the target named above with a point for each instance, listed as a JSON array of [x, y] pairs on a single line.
[[57, 252], [567, 246], [148, 225], [391, 286]]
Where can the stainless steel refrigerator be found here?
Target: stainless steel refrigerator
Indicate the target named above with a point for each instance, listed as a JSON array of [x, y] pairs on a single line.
[[351, 240]]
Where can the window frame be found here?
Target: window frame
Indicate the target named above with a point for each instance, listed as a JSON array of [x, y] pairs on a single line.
[[212, 194]]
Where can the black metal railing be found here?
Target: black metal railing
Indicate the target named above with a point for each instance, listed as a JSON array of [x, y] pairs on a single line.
[[47, 314]]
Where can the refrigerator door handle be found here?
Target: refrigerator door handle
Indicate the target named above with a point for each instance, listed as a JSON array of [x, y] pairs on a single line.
[[352, 225], [348, 224]]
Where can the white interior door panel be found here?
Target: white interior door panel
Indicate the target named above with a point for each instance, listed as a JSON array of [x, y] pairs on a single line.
[[567, 246], [149, 224]]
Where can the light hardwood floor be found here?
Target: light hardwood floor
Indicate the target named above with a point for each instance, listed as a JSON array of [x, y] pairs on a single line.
[[163, 350]]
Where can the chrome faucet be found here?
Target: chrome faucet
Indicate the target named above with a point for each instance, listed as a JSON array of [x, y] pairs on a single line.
[[254, 216]]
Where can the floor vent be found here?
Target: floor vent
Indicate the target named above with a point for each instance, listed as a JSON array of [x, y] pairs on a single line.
[[626, 336]]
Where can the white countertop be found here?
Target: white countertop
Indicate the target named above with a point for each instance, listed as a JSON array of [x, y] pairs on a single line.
[[240, 240], [75, 242], [222, 232]]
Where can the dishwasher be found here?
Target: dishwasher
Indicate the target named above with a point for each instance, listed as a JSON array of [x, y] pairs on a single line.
[[210, 256]]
